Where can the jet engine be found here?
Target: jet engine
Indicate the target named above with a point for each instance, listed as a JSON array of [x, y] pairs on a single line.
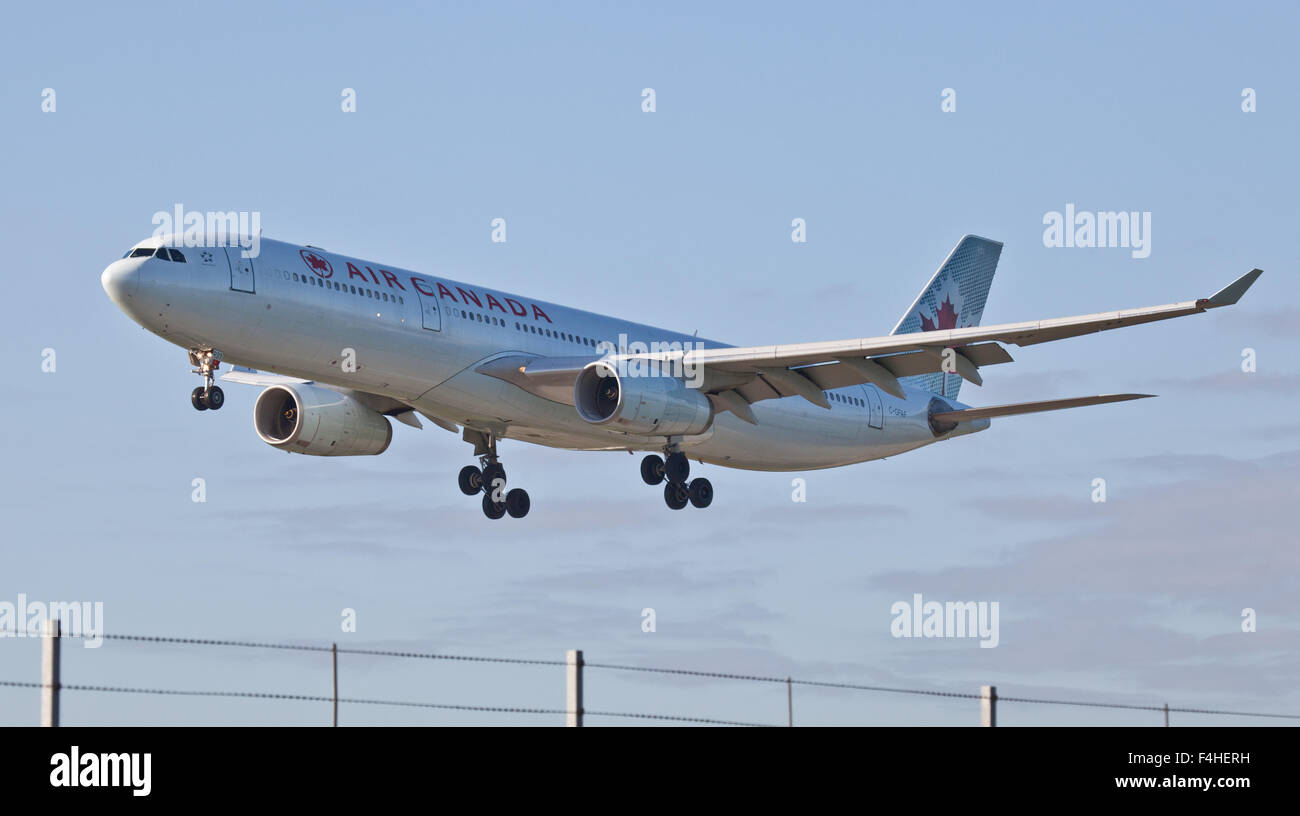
[[938, 427], [650, 405], [317, 421]]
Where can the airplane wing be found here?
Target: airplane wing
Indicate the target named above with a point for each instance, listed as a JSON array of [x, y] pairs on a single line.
[[387, 406], [736, 377], [251, 376], [756, 373]]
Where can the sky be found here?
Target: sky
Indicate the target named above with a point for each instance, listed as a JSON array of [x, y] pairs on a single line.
[[681, 218]]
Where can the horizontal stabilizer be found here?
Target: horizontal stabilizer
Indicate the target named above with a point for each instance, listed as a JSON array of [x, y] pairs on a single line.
[[1031, 407]]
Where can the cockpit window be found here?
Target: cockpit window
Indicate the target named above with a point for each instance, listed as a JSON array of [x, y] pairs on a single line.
[[176, 255], [140, 252], [161, 252]]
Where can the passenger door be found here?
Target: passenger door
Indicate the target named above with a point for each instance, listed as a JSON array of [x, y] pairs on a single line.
[[430, 316], [876, 415], [241, 270]]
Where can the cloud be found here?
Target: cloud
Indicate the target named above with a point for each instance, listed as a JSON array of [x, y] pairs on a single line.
[[1271, 323], [1152, 597], [1237, 382]]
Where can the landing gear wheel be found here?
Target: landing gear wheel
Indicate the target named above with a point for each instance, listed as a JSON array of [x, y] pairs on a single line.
[[517, 503], [196, 399], [471, 480], [652, 469], [677, 468], [701, 493], [214, 397], [491, 473], [676, 495], [491, 509]]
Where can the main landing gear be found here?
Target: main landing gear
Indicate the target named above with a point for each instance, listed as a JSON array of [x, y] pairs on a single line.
[[676, 469], [208, 395], [490, 480]]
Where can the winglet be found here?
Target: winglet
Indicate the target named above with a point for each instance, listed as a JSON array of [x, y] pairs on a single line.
[[1232, 293]]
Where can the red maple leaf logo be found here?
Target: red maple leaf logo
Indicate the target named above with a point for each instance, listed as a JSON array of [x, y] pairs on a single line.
[[317, 264], [945, 317]]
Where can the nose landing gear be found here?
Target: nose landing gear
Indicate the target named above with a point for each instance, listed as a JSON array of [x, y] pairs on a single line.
[[207, 396], [490, 480], [676, 469]]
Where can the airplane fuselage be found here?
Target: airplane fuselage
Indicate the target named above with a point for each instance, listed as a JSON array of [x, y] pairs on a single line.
[[418, 338]]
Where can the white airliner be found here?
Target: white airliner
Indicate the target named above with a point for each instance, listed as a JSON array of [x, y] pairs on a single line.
[[341, 344]]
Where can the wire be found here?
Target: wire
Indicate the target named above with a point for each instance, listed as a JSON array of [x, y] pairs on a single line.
[[315, 698], [782, 680], [248, 644], [1170, 709], [608, 666]]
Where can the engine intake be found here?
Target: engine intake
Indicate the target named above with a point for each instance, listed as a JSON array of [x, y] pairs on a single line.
[[650, 405], [317, 421]]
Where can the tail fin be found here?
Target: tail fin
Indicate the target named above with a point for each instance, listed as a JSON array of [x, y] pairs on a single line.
[[954, 298]]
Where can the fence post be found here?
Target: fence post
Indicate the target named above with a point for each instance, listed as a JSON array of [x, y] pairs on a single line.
[[789, 702], [988, 706], [334, 654], [1166, 715], [50, 675], [573, 696]]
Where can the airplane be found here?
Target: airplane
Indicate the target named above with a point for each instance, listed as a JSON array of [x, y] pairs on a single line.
[[340, 345]]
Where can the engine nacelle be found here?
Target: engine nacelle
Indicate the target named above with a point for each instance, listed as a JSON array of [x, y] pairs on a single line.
[[652, 405], [319, 422]]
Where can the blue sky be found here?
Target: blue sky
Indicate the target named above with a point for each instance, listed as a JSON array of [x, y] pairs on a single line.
[[679, 218]]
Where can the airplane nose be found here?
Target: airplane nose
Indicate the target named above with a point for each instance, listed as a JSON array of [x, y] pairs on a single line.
[[120, 279]]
